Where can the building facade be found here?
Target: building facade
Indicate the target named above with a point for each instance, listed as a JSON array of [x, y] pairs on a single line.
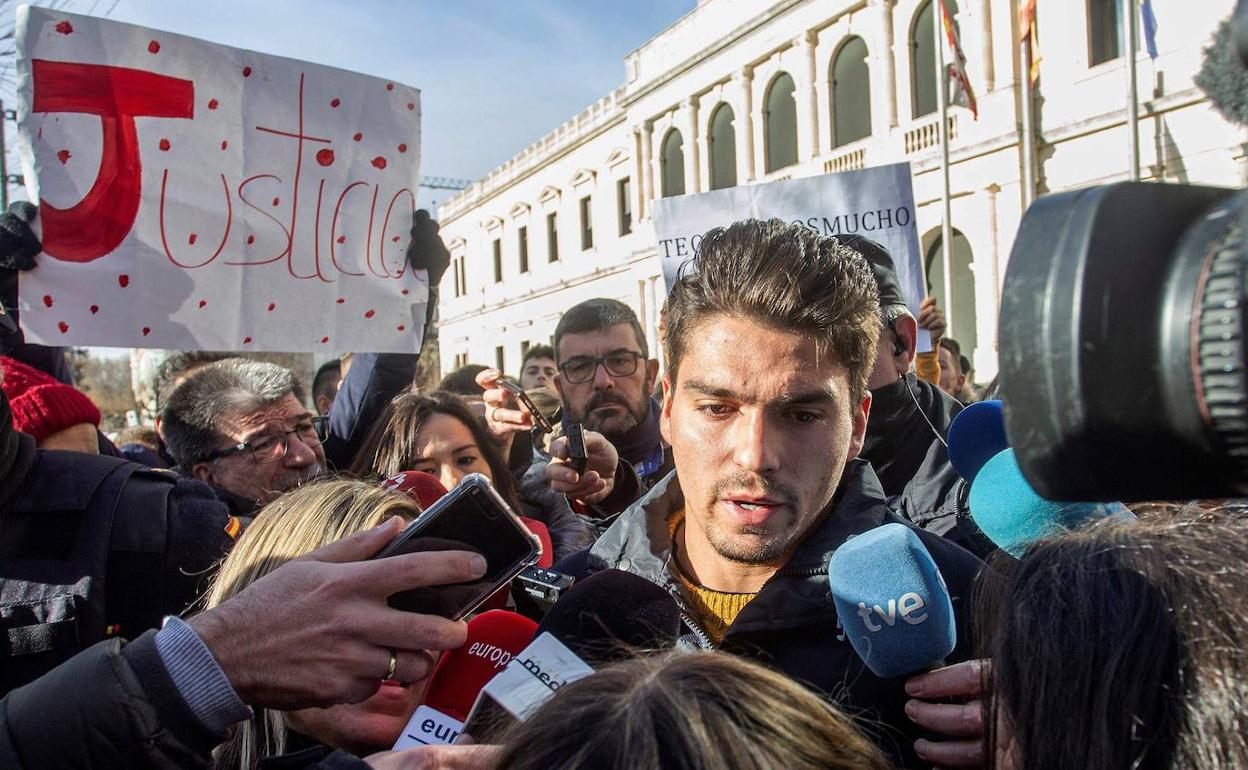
[[748, 91]]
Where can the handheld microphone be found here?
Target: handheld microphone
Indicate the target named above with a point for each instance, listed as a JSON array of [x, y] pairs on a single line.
[[976, 435], [494, 638], [1006, 509], [424, 488], [892, 602], [603, 618]]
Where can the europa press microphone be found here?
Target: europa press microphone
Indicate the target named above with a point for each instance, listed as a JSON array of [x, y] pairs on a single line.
[[603, 618], [892, 601], [494, 638]]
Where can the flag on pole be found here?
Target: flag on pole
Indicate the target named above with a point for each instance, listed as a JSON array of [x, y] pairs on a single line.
[[1150, 27], [1029, 35], [960, 91]]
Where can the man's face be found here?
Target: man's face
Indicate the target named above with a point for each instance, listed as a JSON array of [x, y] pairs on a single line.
[[539, 372], [760, 430], [951, 377], [607, 404], [264, 482]]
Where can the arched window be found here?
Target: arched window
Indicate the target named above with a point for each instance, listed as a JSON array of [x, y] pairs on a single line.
[[923, 62], [851, 93], [723, 148], [962, 315], [780, 121], [672, 161]]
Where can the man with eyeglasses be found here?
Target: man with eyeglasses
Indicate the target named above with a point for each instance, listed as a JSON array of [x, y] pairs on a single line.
[[238, 426]]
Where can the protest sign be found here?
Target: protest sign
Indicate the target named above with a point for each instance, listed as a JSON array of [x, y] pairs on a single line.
[[195, 196], [875, 203]]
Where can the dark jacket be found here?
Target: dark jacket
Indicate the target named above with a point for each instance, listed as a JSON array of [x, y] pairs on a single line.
[[792, 624], [371, 382]]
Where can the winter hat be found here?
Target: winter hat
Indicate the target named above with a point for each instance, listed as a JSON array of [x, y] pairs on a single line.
[[42, 405]]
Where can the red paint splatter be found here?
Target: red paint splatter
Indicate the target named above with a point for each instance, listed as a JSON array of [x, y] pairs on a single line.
[[147, 330], [342, 239], [370, 314], [192, 238], [341, 300], [164, 145], [404, 292], [400, 328], [389, 86], [334, 103], [64, 327], [411, 105], [212, 104], [64, 27], [379, 162], [358, 136], [272, 306], [251, 239], [402, 148], [276, 201], [95, 309], [63, 156], [324, 340], [153, 47], [47, 300], [246, 72], [246, 340], [325, 157], [203, 303], [123, 280], [224, 144], [395, 239]]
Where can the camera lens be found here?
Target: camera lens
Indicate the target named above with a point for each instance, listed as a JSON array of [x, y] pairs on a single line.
[[1122, 344]]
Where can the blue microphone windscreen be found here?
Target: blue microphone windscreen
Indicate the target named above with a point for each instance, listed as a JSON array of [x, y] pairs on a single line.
[[1005, 507], [976, 436], [892, 601]]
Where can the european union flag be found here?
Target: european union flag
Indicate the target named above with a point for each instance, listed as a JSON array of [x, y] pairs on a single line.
[[1150, 27]]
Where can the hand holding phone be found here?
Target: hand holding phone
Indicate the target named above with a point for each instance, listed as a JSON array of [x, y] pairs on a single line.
[[596, 480], [522, 398]]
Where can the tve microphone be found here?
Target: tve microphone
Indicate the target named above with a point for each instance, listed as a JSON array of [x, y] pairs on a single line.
[[1005, 507], [892, 601], [494, 638], [976, 435], [604, 618]]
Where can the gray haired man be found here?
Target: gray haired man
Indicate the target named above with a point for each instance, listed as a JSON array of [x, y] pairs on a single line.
[[238, 425]]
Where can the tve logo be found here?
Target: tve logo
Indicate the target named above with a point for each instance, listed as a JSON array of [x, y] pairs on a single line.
[[909, 605]]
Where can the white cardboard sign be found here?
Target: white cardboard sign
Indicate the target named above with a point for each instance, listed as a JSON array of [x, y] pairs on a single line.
[[195, 196], [876, 203]]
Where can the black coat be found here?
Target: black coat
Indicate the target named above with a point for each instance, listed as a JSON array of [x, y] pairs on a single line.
[[792, 624]]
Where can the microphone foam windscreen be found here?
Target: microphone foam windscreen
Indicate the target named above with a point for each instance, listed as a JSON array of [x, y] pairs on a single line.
[[1005, 507], [424, 488], [892, 601], [494, 638], [603, 616], [976, 436]]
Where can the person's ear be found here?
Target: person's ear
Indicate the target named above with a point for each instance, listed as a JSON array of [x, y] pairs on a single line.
[[652, 373], [905, 342], [665, 414], [859, 429], [203, 472], [558, 380]]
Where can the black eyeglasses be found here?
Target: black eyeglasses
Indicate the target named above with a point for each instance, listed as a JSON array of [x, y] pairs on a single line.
[[273, 447], [618, 363]]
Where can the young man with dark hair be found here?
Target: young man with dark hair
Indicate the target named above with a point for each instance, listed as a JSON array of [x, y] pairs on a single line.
[[325, 385], [770, 342], [538, 369]]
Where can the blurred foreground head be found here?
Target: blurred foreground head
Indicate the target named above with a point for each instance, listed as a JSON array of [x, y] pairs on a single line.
[[1122, 646], [688, 711]]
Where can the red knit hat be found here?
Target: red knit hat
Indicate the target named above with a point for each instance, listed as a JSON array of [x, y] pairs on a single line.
[[43, 405]]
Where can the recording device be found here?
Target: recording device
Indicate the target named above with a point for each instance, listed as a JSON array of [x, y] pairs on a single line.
[[606, 617], [892, 602], [578, 458], [1122, 330], [544, 587], [471, 517], [494, 638], [539, 419], [1010, 513]]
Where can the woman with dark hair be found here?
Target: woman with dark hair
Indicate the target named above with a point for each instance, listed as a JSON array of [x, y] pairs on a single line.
[[439, 434], [1122, 647]]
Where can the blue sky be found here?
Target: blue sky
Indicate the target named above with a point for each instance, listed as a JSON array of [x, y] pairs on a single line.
[[494, 75]]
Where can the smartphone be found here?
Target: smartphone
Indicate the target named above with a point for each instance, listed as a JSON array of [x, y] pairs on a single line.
[[539, 419], [471, 517], [578, 458]]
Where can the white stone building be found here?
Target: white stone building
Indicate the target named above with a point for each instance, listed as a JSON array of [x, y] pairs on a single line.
[[745, 91]]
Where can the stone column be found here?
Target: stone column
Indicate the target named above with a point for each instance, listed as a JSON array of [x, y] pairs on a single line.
[[657, 135], [646, 183], [985, 47], [883, 67], [744, 124], [640, 204], [689, 130], [805, 96]]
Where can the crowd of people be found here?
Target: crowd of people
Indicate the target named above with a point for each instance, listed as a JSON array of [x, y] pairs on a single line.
[[203, 595]]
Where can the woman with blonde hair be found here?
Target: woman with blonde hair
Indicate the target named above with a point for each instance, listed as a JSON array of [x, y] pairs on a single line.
[[296, 523]]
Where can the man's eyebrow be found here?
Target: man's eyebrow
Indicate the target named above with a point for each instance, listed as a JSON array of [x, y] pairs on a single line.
[[707, 389], [817, 396]]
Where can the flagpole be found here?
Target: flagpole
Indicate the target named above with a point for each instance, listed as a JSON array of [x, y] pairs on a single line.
[[946, 225], [1133, 117], [1025, 55]]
